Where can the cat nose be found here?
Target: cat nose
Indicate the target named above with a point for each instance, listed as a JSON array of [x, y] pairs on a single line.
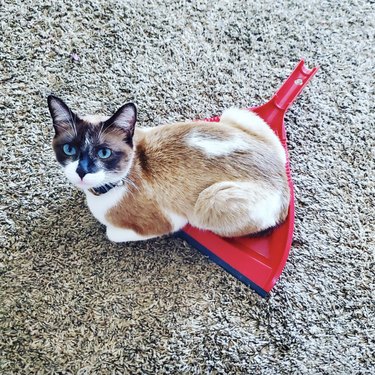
[[85, 165], [81, 171]]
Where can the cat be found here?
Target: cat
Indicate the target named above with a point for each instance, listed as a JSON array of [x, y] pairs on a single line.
[[227, 177]]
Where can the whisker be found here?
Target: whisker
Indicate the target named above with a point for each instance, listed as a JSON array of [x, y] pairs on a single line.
[[72, 121], [109, 125], [127, 182], [101, 130], [130, 182]]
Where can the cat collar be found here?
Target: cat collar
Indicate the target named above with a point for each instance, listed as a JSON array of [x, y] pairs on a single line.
[[105, 188]]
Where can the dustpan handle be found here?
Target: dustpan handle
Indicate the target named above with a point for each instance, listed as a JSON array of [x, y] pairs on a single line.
[[291, 88]]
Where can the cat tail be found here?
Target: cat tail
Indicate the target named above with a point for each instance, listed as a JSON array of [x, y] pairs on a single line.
[[252, 124]]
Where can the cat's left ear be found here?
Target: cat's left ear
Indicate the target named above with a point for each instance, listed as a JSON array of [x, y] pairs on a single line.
[[125, 119]]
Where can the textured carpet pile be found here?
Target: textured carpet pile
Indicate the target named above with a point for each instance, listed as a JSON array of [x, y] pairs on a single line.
[[73, 303]]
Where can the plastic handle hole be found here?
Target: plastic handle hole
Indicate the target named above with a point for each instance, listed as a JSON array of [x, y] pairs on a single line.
[[298, 81]]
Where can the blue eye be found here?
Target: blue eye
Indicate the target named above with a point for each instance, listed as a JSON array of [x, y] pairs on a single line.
[[104, 153], [69, 150]]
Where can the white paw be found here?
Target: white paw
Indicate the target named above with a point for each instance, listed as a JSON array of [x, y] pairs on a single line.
[[116, 234]]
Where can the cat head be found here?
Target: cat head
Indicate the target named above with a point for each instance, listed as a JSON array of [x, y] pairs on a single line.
[[93, 150]]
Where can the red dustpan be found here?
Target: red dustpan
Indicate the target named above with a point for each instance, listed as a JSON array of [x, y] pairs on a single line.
[[258, 261]]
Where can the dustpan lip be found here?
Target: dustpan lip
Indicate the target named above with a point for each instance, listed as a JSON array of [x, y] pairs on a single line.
[[220, 262]]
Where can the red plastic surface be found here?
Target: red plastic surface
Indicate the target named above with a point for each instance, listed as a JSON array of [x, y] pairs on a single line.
[[262, 259]]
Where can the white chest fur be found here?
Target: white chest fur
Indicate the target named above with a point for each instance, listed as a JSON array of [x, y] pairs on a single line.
[[100, 204]]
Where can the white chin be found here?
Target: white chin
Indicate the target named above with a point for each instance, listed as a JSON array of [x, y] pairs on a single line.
[[82, 185], [85, 185], [92, 180]]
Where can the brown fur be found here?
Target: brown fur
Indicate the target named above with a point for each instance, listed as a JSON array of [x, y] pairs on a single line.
[[139, 212], [181, 177]]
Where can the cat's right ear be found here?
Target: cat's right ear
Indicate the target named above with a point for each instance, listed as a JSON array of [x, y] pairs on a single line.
[[61, 114]]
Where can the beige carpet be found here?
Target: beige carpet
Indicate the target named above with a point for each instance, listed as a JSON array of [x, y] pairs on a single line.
[[73, 303]]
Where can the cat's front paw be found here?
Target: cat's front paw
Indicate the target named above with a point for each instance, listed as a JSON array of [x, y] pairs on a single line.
[[112, 235], [116, 234]]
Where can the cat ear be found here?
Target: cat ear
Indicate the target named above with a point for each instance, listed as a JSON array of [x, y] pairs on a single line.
[[60, 112], [124, 118]]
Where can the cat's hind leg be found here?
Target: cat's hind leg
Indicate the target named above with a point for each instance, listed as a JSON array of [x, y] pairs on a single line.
[[232, 209], [251, 123]]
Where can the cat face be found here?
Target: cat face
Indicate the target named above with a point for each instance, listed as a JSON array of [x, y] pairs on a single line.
[[93, 150]]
